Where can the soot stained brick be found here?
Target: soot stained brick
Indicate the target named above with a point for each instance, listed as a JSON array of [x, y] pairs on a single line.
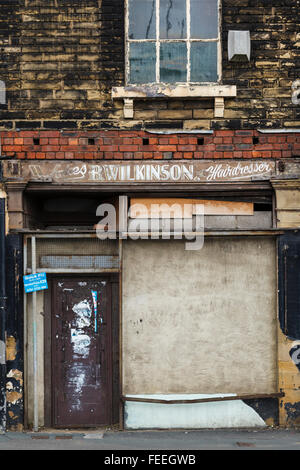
[[64, 56]]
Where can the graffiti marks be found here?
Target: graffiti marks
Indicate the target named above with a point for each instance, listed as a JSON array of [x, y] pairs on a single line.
[[295, 354]]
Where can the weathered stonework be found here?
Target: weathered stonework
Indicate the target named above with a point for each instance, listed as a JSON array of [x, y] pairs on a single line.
[[60, 60]]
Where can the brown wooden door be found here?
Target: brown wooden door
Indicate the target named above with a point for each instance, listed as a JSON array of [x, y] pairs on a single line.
[[81, 352]]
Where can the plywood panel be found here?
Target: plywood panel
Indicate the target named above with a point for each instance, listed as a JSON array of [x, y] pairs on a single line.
[[199, 321], [187, 207]]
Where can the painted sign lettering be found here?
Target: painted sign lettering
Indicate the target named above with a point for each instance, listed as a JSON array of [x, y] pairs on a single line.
[[140, 172]]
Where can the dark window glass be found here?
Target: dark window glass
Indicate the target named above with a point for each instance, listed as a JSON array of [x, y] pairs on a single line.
[[142, 62], [204, 62], [204, 19], [173, 60], [142, 19], [173, 47], [172, 22]]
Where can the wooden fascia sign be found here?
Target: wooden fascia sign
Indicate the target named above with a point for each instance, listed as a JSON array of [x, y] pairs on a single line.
[[140, 172]]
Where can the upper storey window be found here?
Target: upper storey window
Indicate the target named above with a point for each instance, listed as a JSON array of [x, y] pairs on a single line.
[[173, 41]]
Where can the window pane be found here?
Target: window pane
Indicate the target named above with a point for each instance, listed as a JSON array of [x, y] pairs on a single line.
[[172, 22], [142, 19], [204, 62], [204, 19], [142, 59], [173, 56]]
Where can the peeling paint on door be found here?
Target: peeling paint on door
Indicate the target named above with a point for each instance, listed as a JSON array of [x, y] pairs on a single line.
[[81, 342], [77, 378], [84, 313], [81, 374]]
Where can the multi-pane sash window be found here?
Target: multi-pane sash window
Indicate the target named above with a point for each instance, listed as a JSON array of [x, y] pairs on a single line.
[[172, 41]]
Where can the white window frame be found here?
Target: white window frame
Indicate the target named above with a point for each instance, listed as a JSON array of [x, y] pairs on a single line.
[[131, 91], [158, 41]]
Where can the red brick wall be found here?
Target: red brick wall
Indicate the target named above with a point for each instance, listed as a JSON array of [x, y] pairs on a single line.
[[129, 145]]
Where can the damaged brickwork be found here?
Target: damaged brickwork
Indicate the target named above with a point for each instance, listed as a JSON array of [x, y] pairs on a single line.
[[142, 145]]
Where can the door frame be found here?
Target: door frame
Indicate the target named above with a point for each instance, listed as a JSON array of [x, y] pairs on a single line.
[[114, 341]]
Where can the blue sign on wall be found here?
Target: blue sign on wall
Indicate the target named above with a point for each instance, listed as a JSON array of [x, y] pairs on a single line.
[[34, 282]]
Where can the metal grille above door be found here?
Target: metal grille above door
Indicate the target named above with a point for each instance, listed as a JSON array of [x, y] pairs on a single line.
[[71, 254]]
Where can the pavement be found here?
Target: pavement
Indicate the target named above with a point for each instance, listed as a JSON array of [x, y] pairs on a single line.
[[124, 443]]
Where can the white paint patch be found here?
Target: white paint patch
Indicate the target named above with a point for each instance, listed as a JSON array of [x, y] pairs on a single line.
[[77, 379], [79, 382], [81, 342], [219, 414], [84, 312], [82, 284]]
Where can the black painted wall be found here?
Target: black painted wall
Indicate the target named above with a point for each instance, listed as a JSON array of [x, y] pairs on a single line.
[[289, 284], [2, 318]]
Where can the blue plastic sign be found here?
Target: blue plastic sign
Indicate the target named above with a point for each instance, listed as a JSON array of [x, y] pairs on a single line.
[[34, 282]]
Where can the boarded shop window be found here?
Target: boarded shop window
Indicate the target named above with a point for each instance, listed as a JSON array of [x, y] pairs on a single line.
[[172, 41], [289, 282], [202, 321]]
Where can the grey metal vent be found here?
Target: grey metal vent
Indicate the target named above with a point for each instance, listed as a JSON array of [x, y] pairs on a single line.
[[73, 254], [79, 262]]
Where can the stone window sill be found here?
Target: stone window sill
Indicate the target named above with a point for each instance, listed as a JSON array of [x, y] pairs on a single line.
[[217, 92]]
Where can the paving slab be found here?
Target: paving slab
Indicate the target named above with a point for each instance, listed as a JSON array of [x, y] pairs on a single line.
[[275, 439]]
